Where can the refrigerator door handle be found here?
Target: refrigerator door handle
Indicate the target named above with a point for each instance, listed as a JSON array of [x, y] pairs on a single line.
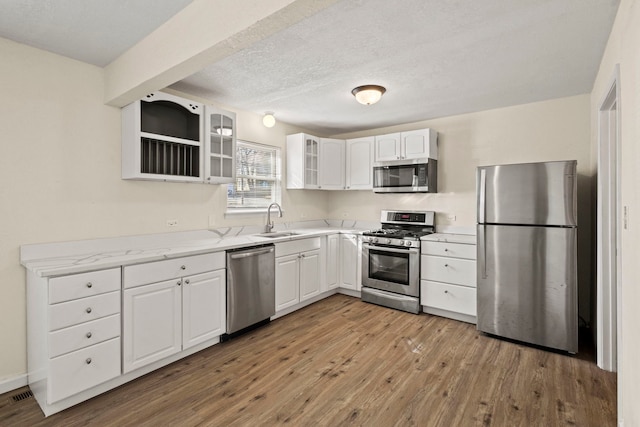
[[482, 207], [482, 250]]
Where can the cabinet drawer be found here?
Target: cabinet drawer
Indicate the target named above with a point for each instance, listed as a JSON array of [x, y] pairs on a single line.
[[83, 310], [455, 250], [80, 336], [76, 286], [297, 246], [152, 272], [83, 369], [459, 299], [449, 270]]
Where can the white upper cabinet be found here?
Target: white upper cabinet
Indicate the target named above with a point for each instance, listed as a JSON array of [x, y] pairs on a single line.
[[303, 153], [162, 139], [331, 173], [220, 146], [359, 170], [168, 138], [407, 145], [388, 147]]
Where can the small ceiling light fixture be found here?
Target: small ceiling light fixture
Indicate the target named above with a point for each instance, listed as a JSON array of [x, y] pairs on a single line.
[[368, 94], [269, 120]]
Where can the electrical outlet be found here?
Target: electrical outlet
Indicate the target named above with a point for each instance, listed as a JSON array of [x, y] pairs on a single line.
[[172, 223], [451, 218]]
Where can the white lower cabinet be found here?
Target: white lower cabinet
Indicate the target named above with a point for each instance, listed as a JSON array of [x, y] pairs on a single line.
[[166, 317], [448, 276], [202, 320], [73, 333], [350, 262], [333, 257], [298, 266], [152, 323], [83, 369], [287, 281]]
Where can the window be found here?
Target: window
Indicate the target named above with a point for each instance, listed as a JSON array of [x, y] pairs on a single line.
[[257, 183]]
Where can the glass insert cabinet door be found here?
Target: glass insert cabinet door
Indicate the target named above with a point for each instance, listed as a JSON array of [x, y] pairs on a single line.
[[220, 146], [311, 149]]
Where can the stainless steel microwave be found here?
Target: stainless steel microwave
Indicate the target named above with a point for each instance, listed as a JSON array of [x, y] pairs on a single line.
[[406, 176]]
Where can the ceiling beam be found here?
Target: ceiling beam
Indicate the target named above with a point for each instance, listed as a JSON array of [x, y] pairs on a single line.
[[202, 33]]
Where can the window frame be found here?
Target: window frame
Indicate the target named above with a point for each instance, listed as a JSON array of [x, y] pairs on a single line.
[[277, 179]]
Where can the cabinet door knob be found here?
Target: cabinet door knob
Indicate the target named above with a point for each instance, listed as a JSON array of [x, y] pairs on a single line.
[[187, 281], [178, 283], [183, 267], [89, 334], [446, 292], [446, 250], [88, 360], [446, 265], [301, 255], [89, 285], [88, 310]]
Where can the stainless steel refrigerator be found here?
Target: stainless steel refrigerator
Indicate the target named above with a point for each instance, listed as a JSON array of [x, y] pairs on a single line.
[[527, 263]]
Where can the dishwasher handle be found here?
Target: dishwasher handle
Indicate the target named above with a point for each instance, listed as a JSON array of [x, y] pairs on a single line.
[[252, 253]]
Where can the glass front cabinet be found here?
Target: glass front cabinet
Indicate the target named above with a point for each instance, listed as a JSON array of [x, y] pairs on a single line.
[[168, 138], [220, 146]]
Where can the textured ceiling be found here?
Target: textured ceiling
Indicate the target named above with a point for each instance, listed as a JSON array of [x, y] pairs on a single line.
[[92, 31], [436, 58]]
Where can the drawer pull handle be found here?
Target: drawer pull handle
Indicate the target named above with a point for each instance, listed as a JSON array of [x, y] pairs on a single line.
[[89, 285], [88, 360], [183, 267], [446, 265], [88, 310], [187, 281], [446, 292], [446, 250], [89, 334]]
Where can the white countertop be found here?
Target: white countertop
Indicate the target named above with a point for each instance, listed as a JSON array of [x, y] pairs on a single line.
[[54, 259], [467, 239]]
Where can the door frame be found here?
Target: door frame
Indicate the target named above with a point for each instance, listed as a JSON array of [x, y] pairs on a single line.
[[608, 227]]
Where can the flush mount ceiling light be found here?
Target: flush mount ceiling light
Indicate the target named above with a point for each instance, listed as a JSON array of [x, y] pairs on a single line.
[[269, 120], [368, 94]]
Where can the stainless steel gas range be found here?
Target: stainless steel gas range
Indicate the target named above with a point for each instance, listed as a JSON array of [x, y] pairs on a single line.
[[391, 259]]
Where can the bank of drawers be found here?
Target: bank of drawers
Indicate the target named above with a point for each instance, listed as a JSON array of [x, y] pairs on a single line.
[[84, 331], [448, 277]]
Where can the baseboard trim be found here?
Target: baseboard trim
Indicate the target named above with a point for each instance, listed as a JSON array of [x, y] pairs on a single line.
[[13, 383]]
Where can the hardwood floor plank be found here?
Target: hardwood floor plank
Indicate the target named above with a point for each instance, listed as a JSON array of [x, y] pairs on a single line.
[[344, 362]]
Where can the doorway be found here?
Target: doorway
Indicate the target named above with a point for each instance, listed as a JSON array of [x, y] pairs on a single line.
[[608, 227]]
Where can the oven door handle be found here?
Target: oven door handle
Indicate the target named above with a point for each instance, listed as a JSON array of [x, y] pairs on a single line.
[[387, 249]]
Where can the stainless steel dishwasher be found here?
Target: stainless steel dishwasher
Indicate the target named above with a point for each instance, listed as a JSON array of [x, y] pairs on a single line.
[[251, 287]]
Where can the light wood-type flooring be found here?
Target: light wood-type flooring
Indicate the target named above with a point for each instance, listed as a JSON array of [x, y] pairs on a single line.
[[343, 362]]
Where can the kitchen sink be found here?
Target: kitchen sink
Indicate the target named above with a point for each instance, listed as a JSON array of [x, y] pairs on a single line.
[[278, 234]]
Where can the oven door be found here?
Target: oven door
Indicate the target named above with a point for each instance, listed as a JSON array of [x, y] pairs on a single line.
[[391, 269]]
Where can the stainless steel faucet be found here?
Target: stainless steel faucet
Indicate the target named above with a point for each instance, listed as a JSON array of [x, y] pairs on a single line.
[[269, 226]]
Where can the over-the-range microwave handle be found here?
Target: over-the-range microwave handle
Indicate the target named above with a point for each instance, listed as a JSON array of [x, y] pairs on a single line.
[[388, 249], [482, 193]]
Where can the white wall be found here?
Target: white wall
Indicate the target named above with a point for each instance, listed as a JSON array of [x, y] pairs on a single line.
[[60, 174], [558, 129], [623, 49]]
